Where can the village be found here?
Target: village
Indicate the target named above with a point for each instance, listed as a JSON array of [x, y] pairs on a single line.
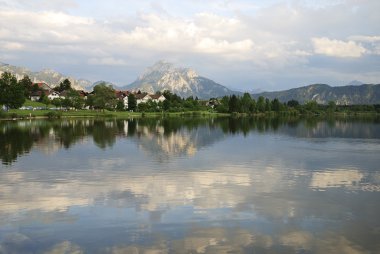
[[24, 94], [43, 90]]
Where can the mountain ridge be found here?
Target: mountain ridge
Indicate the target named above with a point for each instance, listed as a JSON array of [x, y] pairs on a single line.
[[184, 82], [323, 93], [50, 76]]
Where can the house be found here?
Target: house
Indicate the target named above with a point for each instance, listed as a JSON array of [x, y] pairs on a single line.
[[157, 98], [123, 95], [142, 98], [83, 94], [125, 100], [212, 103], [36, 96], [39, 88], [43, 86], [53, 95], [145, 97]]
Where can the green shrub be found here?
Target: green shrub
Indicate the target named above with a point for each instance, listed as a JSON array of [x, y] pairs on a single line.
[[53, 114]]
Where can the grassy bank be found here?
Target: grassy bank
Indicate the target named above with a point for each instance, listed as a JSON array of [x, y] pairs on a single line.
[[25, 114]]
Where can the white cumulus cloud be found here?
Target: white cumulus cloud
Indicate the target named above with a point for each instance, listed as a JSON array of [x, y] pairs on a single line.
[[337, 48]]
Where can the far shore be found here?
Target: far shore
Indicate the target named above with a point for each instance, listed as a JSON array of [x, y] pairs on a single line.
[[17, 114]]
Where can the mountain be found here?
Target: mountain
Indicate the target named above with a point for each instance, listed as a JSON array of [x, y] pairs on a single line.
[[184, 82], [342, 95], [355, 83], [91, 87], [51, 77]]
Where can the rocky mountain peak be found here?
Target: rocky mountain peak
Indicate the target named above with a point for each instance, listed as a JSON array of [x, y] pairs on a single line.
[[182, 81], [164, 68], [51, 77]]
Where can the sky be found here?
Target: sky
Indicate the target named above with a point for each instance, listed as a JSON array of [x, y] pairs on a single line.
[[245, 45]]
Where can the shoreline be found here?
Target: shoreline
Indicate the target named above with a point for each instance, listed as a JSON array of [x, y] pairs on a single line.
[[48, 114]]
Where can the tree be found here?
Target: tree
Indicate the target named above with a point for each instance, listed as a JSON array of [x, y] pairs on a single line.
[[166, 105], [120, 105], [233, 104], [12, 93], [252, 106], [332, 106], [45, 100], [261, 104], [267, 105], [90, 101], [66, 103], [191, 104], [276, 105], [293, 103], [222, 105], [27, 83], [173, 98], [311, 106], [63, 86], [76, 100], [57, 102], [246, 101], [143, 107], [104, 96], [132, 102]]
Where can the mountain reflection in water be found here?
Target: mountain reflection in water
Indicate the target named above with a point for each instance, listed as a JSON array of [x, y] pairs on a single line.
[[165, 137], [185, 185]]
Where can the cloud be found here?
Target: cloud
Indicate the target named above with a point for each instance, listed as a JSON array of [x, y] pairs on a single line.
[[209, 45], [365, 38], [13, 46], [337, 48], [265, 41], [106, 61], [372, 43], [206, 34]]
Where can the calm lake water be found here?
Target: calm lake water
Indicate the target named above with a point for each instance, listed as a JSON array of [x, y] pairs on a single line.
[[187, 185]]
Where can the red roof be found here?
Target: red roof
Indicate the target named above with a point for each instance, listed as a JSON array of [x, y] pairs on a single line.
[[121, 94], [43, 86]]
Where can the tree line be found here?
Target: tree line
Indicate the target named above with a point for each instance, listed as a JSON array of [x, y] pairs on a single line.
[[247, 104]]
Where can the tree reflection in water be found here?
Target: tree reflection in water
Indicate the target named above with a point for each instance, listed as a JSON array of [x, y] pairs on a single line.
[[18, 138]]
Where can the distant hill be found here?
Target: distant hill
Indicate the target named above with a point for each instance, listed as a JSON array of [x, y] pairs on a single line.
[[181, 81], [91, 87], [321, 93], [48, 76], [355, 83]]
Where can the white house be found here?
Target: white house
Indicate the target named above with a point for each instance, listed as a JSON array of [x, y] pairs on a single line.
[[144, 98], [53, 95], [35, 96], [125, 100], [157, 97]]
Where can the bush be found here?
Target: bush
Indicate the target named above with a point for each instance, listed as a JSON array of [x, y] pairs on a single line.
[[53, 114]]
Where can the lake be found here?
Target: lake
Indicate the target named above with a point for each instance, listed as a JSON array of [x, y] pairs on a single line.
[[190, 185]]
